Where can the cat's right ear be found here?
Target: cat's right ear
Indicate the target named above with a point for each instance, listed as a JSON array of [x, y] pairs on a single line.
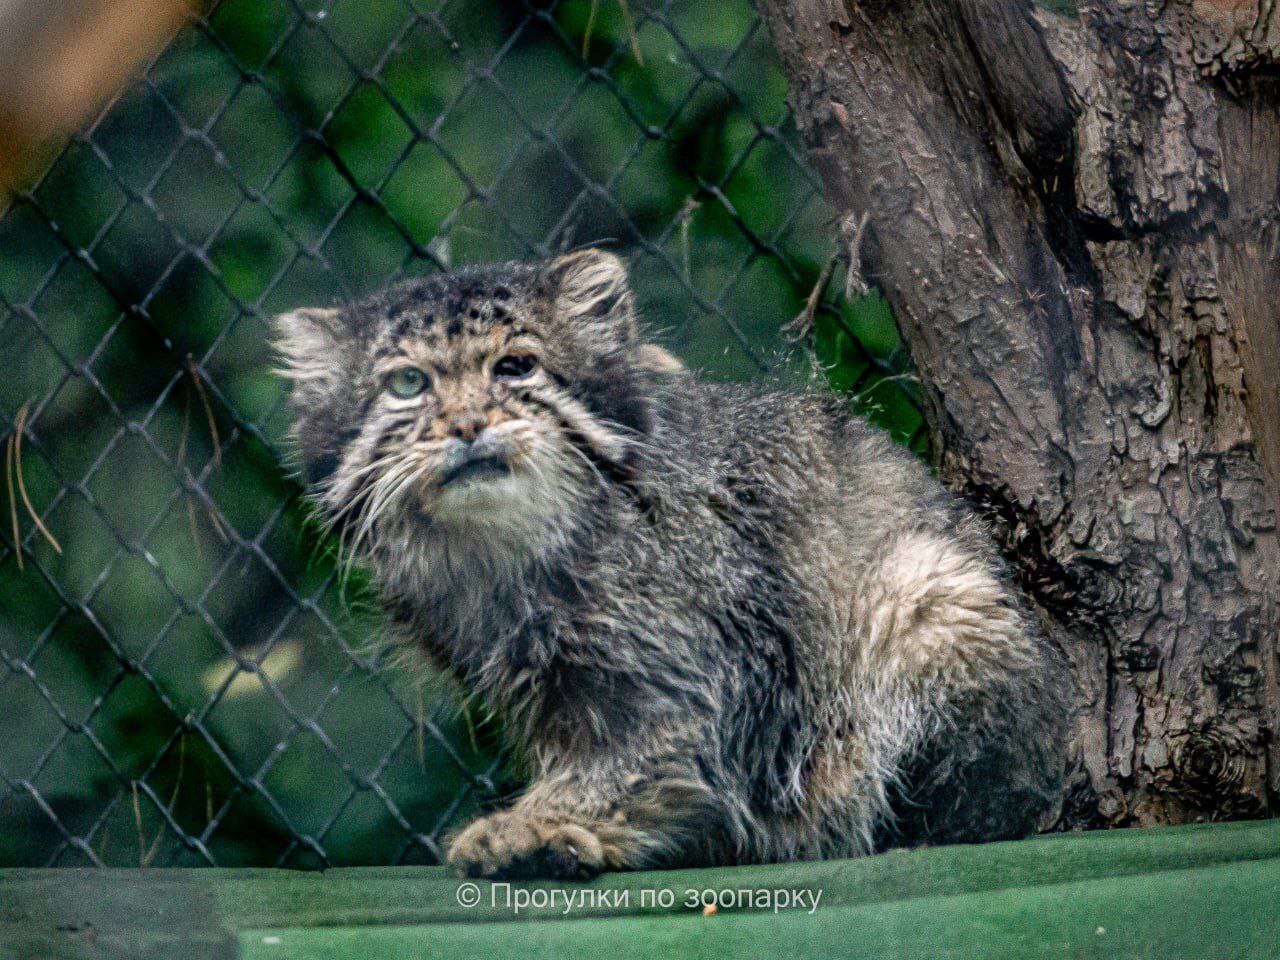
[[308, 342], [591, 294]]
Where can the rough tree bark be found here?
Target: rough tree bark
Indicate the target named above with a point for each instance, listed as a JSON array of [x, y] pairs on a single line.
[[1075, 220]]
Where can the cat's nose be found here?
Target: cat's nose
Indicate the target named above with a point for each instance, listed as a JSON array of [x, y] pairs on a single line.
[[466, 426]]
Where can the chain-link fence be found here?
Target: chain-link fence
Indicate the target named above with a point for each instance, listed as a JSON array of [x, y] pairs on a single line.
[[182, 680]]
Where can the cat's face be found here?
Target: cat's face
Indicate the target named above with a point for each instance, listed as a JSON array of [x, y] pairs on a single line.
[[497, 398]]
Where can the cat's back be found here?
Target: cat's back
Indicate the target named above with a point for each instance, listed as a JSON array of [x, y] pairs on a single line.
[[801, 459]]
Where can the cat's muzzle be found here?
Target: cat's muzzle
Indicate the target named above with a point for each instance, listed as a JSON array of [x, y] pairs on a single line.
[[485, 458]]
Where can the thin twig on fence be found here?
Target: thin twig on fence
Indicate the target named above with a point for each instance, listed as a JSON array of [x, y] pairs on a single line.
[[801, 328]]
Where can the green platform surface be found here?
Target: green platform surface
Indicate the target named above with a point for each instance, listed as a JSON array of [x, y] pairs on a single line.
[[1195, 892]]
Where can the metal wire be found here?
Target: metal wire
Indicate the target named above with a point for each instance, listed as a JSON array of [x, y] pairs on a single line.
[[182, 682]]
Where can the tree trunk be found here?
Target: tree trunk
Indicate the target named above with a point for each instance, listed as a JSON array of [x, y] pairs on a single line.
[[1076, 223], [63, 58]]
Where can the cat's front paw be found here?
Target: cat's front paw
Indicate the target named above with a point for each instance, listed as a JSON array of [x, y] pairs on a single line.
[[513, 845]]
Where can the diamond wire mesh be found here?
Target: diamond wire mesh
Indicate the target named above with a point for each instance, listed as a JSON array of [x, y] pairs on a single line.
[[184, 682]]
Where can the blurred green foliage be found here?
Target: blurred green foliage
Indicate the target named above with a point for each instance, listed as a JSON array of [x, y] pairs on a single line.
[[184, 682]]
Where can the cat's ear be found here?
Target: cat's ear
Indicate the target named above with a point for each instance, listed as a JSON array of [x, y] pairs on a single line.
[[309, 342], [591, 292]]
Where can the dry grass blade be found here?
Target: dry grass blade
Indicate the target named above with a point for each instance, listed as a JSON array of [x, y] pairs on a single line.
[[470, 724], [22, 485], [863, 396], [137, 820], [182, 468], [198, 381], [218, 528], [591, 25], [173, 799], [422, 731], [631, 31], [685, 216], [632, 34], [13, 500]]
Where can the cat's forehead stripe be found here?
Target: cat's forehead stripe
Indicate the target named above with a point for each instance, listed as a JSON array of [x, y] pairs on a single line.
[[438, 349], [447, 308], [437, 330]]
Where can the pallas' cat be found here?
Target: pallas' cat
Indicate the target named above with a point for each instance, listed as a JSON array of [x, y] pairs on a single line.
[[723, 624]]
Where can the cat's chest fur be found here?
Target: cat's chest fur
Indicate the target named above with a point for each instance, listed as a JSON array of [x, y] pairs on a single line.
[[555, 636]]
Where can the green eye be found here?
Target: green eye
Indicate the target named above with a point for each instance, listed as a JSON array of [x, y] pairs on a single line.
[[407, 382]]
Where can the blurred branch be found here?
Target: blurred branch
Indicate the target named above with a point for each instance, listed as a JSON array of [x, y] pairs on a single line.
[[63, 59]]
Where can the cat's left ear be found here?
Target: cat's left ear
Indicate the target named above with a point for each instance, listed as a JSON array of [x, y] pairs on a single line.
[[309, 341], [591, 292]]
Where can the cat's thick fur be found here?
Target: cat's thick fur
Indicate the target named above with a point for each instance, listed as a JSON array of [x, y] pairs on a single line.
[[724, 625]]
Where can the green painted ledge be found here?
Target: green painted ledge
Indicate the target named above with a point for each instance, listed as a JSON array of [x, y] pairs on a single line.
[[1195, 892]]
